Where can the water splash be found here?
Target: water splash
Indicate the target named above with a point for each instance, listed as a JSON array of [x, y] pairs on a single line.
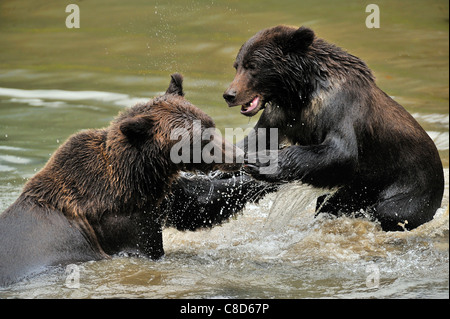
[[290, 200]]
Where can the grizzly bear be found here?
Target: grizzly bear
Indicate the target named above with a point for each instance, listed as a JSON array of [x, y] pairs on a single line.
[[99, 194], [344, 132]]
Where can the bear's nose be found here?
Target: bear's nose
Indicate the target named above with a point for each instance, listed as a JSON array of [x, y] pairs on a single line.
[[229, 96]]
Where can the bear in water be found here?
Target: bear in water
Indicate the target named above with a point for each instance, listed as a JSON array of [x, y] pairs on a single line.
[[345, 132], [100, 192]]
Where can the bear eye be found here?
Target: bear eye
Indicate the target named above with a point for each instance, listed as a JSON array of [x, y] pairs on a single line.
[[249, 66]]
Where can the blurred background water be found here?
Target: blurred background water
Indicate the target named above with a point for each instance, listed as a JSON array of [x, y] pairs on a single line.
[[55, 81]]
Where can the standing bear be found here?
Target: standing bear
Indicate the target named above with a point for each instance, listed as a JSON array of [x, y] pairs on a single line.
[[99, 194], [345, 132]]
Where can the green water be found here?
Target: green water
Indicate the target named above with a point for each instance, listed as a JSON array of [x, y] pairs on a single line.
[[126, 50], [132, 47]]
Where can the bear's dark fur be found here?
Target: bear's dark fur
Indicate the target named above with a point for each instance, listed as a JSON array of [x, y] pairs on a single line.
[[345, 132], [203, 201], [99, 194]]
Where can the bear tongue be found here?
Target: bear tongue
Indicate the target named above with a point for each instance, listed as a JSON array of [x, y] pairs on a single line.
[[253, 105]]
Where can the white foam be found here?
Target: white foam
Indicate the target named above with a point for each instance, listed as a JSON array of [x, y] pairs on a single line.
[[12, 148], [441, 139], [289, 200], [38, 97], [63, 95], [442, 119], [37, 102], [14, 159]]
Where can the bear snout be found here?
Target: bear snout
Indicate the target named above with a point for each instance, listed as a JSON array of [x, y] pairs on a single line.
[[230, 97]]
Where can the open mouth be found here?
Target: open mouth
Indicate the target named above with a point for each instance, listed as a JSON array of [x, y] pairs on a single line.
[[252, 107]]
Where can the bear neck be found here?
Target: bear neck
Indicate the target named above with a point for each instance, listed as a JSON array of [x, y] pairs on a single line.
[[327, 67], [101, 177], [144, 174]]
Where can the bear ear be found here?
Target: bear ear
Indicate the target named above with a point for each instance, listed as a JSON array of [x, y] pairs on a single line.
[[176, 85], [135, 128], [299, 40]]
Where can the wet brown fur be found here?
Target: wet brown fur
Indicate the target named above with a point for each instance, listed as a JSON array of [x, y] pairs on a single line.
[[345, 132], [99, 193]]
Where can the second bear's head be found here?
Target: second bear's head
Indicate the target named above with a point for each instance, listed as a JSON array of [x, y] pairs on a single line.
[[172, 132]]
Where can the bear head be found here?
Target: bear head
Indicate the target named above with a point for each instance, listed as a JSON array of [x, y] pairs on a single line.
[[175, 134], [263, 67]]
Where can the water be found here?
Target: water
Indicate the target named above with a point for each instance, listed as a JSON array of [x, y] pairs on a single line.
[[56, 81], [308, 258]]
